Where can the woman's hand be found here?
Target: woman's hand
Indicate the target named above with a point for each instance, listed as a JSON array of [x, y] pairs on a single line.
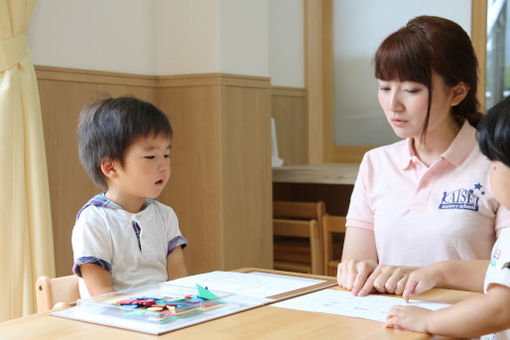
[[352, 274], [364, 277], [408, 317]]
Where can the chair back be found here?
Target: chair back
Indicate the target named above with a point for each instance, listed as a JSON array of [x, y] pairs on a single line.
[[297, 228], [332, 225], [50, 292]]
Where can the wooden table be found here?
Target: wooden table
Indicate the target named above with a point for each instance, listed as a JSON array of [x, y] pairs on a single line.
[[265, 322]]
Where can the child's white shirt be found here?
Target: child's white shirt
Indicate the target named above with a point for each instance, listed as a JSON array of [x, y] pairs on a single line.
[[107, 233], [499, 272]]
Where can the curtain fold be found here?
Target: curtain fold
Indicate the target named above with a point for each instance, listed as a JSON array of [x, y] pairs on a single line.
[[26, 245]]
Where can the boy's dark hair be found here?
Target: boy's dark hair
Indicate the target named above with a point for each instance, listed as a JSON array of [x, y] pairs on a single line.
[[108, 127], [494, 133]]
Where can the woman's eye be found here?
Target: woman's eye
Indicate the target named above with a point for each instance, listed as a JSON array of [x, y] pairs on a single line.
[[412, 91], [167, 156], [149, 157], [384, 88]]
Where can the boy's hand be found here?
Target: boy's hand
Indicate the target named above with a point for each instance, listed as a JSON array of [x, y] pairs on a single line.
[[408, 317], [420, 281]]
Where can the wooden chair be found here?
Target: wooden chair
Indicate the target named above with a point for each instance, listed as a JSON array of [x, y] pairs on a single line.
[[333, 234], [307, 230], [52, 292], [297, 231]]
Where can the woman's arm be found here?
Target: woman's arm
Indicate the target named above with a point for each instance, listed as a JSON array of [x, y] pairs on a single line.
[[175, 264], [359, 259], [475, 316], [98, 280]]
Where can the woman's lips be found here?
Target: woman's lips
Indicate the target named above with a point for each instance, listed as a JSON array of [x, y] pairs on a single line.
[[398, 122]]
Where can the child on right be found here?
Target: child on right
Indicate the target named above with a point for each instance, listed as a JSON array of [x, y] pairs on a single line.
[[486, 315]]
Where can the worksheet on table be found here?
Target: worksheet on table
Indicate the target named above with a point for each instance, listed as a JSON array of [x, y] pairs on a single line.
[[256, 284], [333, 301]]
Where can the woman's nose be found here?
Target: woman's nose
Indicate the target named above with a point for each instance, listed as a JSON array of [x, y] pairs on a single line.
[[395, 104]]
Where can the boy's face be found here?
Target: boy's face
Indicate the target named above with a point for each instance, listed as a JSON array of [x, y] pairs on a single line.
[[500, 182], [146, 168]]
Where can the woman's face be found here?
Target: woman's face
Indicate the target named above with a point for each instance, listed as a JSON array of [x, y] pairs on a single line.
[[405, 105]]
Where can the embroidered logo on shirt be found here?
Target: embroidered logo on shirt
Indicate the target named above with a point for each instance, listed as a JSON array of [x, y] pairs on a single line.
[[462, 198], [496, 253], [506, 265]]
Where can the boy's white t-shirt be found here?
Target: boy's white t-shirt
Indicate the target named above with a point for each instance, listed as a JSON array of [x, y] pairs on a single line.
[[105, 231], [421, 215], [499, 272]]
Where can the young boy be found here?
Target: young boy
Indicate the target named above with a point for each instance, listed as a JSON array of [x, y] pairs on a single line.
[[123, 237], [487, 313]]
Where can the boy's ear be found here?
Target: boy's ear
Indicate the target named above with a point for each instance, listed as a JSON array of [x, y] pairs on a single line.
[[460, 92], [108, 167]]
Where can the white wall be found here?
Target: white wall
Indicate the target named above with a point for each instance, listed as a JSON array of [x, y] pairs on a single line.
[[108, 35], [359, 27], [286, 43], [188, 36], [244, 33], [167, 37]]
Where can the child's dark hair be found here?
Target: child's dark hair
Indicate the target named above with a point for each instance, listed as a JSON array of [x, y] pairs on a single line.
[[108, 127], [494, 133], [427, 44]]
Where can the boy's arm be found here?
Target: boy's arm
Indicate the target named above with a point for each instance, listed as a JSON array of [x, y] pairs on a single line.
[[466, 275], [175, 264], [98, 280], [472, 317]]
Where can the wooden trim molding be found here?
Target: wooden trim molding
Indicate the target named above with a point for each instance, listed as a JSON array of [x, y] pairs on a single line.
[[285, 91], [128, 79], [479, 39], [213, 79], [95, 77], [314, 102]]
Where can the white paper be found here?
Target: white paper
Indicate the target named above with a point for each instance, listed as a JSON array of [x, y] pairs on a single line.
[[256, 284], [332, 301]]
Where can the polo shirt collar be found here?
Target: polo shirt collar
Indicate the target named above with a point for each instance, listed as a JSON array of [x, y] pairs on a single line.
[[408, 154], [100, 200], [457, 152]]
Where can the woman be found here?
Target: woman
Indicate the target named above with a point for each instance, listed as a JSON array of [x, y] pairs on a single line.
[[426, 198]]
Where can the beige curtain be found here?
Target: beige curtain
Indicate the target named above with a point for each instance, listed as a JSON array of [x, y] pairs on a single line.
[[26, 239]]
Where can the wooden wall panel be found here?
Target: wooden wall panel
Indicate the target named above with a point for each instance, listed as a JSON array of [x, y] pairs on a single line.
[[194, 189], [246, 176], [221, 182], [288, 111]]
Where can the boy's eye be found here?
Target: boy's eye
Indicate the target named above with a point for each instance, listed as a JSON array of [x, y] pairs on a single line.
[[384, 88], [149, 157], [413, 91], [167, 156]]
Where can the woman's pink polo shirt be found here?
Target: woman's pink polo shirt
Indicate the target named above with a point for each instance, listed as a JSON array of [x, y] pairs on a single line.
[[421, 215]]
